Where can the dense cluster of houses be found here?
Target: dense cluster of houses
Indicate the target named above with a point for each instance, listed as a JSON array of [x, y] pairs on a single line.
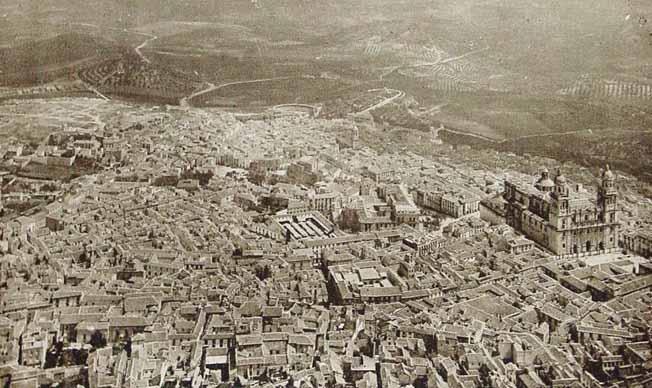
[[209, 251]]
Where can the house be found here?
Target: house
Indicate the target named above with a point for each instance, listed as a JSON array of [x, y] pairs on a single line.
[[122, 328], [86, 330], [66, 298]]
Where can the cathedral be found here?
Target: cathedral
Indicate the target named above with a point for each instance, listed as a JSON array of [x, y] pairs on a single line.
[[563, 217]]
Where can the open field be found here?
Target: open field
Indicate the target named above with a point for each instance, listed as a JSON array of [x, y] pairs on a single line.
[[32, 120]]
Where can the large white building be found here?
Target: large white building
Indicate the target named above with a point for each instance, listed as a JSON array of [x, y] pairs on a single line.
[[563, 217]]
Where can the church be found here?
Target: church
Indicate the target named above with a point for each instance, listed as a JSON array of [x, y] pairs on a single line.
[[563, 217]]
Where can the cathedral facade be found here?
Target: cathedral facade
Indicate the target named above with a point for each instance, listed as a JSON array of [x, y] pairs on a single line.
[[563, 217]]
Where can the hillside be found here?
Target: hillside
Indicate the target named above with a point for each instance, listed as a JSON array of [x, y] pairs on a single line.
[[130, 76], [43, 60], [545, 42], [60, 50], [504, 69]]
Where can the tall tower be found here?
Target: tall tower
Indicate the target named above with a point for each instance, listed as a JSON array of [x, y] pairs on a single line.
[[560, 196], [355, 138], [1, 184], [561, 186], [559, 217], [607, 197]]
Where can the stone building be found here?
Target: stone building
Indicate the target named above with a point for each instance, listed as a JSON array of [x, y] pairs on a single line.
[[453, 202], [563, 217], [638, 242]]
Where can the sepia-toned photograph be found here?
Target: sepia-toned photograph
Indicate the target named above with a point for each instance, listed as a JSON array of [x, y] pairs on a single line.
[[325, 193]]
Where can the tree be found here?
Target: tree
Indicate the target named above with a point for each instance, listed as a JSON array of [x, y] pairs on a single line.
[[98, 340]]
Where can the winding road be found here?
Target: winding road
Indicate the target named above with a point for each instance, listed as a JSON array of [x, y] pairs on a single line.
[[388, 100], [94, 90], [447, 60], [212, 87], [150, 37], [547, 134], [142, 46], [439, 61]]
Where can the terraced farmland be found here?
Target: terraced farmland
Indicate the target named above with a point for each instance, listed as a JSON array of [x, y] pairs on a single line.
[[598, 88], [375, 46], [423, 53], [130, 76], [452, 77]]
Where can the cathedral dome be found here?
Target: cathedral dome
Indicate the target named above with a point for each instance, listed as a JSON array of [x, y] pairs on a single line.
[[545, 183]]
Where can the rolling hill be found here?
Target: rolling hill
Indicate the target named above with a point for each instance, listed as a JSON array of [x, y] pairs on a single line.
[[42, 60]]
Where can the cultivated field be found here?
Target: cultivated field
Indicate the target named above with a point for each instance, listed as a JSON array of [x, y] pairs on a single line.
[[131, 76], [599, 88]]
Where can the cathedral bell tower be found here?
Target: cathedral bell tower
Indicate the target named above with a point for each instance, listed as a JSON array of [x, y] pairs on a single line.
[[559, 216], [607, 195]]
